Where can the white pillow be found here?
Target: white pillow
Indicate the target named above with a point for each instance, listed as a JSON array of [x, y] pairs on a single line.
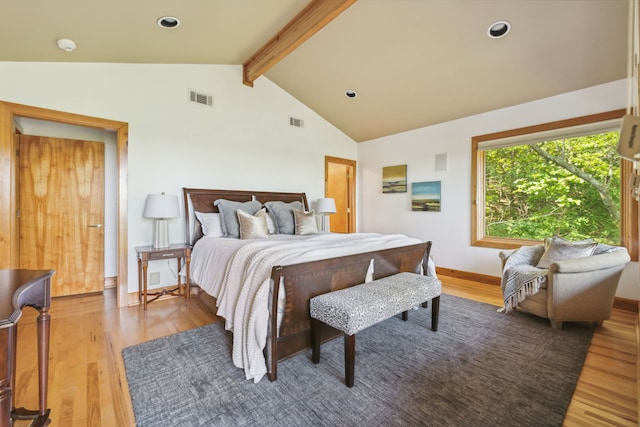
[[210, 223], [253, 226], [305, 222], [271, 226]]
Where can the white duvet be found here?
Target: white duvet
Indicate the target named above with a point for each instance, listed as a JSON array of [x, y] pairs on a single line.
[[237, 273]]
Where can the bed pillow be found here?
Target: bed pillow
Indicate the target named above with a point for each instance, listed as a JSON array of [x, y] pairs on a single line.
[[228, 216], [210, 224], [282, 214], [271, 226], [305, 222], [253, 226], [558, 249]]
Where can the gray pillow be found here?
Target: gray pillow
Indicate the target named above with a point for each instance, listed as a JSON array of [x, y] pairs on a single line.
[[229, 217], [558, 249], [556, 238], [282, 214]]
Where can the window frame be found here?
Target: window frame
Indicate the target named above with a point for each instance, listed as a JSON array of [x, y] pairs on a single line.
[[628, 205]]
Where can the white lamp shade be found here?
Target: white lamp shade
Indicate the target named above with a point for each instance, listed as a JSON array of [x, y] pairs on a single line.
[[161, 206], [326, 206]]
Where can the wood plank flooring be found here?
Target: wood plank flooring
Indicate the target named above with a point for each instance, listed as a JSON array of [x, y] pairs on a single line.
[[88, 387]]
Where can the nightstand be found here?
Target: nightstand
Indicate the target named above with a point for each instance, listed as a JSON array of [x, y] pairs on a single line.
[[149, 253]]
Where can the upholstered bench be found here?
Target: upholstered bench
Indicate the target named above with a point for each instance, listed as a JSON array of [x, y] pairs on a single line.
[[352, 309]]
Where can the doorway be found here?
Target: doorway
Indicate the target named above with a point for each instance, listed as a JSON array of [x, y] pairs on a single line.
[[340, 184], [9, 233]]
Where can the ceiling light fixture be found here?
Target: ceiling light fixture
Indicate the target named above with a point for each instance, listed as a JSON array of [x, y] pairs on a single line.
[[350, 93], [498, 29], [66, 45], [168, 22]]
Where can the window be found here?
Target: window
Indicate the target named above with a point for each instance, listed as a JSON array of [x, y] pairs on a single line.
[[562, 178]]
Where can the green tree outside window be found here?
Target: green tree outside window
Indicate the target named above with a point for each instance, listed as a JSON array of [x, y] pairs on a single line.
[[569, 187]]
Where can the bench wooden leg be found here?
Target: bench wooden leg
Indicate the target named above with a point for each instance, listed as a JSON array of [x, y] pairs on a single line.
[[349, 359], [435, 309], [315, 341], [405, 315]]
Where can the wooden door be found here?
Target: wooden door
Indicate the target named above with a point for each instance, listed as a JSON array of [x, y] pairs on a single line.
[[61, 199], [340, 184]]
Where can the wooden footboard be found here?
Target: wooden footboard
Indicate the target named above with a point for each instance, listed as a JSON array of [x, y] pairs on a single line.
[[306, 280]]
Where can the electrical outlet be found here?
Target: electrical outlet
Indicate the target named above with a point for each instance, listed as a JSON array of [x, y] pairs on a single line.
[[154, 278]]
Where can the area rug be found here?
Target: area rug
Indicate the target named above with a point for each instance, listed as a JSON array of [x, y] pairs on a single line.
[[481, 368]]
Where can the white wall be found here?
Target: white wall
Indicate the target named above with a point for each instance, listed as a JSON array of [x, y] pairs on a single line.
[[450, 229], [244, 142]]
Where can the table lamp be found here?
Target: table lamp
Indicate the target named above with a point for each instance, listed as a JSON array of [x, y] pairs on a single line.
[[326, 206], [161, 207]]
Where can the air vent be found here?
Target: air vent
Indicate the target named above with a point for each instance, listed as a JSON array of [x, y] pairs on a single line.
[[200, 98], [299, 123]]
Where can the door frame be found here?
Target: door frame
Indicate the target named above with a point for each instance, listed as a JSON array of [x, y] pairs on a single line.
[[9, 239], [351, 191]]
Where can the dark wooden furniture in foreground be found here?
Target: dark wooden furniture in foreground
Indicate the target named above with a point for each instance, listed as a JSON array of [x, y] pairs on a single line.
[[19, 288], [356, 308], [149, 253], [305, 280]]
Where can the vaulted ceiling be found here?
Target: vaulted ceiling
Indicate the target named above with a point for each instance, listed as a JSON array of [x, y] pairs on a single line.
[[412, 63]]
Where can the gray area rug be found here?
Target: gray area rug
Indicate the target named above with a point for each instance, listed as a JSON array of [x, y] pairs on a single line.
[[481, 368]]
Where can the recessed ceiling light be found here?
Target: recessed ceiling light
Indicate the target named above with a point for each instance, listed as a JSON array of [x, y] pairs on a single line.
[[498, 29], [66, 45], [350, 93], [168, 22]]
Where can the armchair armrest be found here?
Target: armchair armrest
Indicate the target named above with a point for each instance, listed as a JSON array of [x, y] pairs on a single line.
[[590, 263], [504, 255]]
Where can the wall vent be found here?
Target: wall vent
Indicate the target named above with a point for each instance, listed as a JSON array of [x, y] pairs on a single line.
[[441, 162], [200, 98], [299, 123]]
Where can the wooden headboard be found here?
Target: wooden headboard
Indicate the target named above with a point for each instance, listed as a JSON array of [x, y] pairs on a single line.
[[201, 200]]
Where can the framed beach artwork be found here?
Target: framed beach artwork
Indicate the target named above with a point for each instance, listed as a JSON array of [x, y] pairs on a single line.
[[425, 196], [394, 179]]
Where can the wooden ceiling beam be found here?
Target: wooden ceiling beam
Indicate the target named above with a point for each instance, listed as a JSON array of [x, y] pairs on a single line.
[[309, 21]]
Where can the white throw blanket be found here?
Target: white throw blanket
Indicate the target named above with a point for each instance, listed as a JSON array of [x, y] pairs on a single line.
[[243, 292], [520, 278]]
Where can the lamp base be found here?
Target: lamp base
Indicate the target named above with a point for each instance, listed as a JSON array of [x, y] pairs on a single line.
[[326, 225], [161, 234]]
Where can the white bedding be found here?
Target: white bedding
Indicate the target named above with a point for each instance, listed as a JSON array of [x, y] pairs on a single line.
[[237, 273]]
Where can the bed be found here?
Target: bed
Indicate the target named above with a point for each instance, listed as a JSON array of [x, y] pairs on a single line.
[[271, 323]]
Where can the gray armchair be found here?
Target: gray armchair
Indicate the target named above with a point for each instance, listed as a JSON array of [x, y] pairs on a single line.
[[579, 289]]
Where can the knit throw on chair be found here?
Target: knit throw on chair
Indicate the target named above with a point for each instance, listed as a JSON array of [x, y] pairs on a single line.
[[520, 278]]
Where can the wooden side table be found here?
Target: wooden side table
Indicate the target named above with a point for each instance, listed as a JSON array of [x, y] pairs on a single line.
[[149, 253], [19, 288]]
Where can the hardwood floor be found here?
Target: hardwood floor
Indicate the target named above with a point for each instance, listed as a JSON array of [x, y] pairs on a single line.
[[88, 387]]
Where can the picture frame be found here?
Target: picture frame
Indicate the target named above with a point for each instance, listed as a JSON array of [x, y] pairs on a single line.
[[394, 179], [426, 196]]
